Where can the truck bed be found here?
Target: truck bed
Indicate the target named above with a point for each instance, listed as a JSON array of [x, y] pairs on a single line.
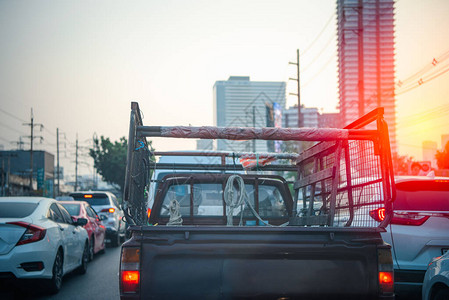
[[220, 262]]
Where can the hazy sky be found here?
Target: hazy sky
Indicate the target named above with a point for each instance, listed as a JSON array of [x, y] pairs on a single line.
[[79, 64]]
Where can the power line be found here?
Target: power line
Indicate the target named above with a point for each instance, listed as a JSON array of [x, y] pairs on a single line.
[[421, 82], [430, 128], [325, 65], [415, 146], [49, 132], [440, 111], [3, 139], [11, 115], [435, 62], [319, 34], [391, 91], [11, 128], [319, 54]]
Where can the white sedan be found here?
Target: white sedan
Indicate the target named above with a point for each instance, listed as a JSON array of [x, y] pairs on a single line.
[[39, 240]]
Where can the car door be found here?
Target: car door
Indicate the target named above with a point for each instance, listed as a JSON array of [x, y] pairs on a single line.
[[65, 234], [95, 221], [76, 243]]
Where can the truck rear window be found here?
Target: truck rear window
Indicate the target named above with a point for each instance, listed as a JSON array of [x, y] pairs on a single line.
[[208, 200], [422, 196]]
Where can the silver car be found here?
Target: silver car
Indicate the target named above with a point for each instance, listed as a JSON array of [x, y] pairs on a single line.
[[108, 209], [436, 280]]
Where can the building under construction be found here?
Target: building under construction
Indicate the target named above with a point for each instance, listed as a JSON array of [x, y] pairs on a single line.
[[366, 60]]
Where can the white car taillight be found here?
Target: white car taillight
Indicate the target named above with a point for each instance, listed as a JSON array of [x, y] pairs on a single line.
[[33, 233]]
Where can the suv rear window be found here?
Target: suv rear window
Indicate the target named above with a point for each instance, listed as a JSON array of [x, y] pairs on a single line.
[[422, 196], [92, 199], [16, 210]]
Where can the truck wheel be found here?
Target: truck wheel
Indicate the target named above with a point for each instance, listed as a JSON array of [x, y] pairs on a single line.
[[55, 283]]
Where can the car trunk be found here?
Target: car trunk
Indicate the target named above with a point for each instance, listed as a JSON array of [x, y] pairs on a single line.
[[10, 234]]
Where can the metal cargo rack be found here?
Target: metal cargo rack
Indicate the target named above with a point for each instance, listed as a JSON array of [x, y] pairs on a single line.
[[346, 176]]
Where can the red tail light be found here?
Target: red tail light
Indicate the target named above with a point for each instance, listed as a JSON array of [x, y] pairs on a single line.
[[109, 210], [148, 212], [386, 282], [130, 281], [409, 218], [33, 233], [130, 270], [385, 271], [400, 218], [378, 214]]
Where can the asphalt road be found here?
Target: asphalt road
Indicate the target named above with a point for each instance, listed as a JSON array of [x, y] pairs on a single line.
[[100, 282]]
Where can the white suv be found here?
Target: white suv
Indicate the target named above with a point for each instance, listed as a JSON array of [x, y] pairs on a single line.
[[419, 229], [106, 206]]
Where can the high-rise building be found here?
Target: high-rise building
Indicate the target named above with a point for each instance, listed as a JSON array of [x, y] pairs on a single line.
[[309, 117], [366, 60], [240, 102], [204, 145], [330, 120]]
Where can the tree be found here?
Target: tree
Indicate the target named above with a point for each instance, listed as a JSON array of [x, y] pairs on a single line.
[[443, 157], [110, 160]]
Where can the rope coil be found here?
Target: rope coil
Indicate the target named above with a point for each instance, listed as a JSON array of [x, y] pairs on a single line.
[[234, 202]]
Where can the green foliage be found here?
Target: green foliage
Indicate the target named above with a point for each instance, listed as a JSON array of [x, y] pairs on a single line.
[[110, 160], [443, 157]]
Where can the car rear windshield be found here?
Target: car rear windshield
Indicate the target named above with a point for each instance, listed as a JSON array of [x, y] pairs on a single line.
[[16, 210], [423, 196], [92, 199], [73, 209]]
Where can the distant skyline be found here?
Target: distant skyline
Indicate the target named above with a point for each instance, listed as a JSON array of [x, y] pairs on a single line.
[[79, 64]]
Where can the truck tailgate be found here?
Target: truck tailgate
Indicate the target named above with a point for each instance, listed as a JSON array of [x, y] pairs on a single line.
[[257, 262]]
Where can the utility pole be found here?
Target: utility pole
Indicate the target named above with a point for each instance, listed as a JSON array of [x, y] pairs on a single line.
[[360, 60], [254, 125], [57, 160], [19, 144], [94, 183], [32, 137], [76, 163], [297, 79]]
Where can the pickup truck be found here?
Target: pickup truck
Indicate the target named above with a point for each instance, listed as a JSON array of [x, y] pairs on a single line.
[[220, 231]]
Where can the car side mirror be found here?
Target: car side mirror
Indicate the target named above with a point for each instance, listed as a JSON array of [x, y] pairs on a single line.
[[103, 217], [80, 222]]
